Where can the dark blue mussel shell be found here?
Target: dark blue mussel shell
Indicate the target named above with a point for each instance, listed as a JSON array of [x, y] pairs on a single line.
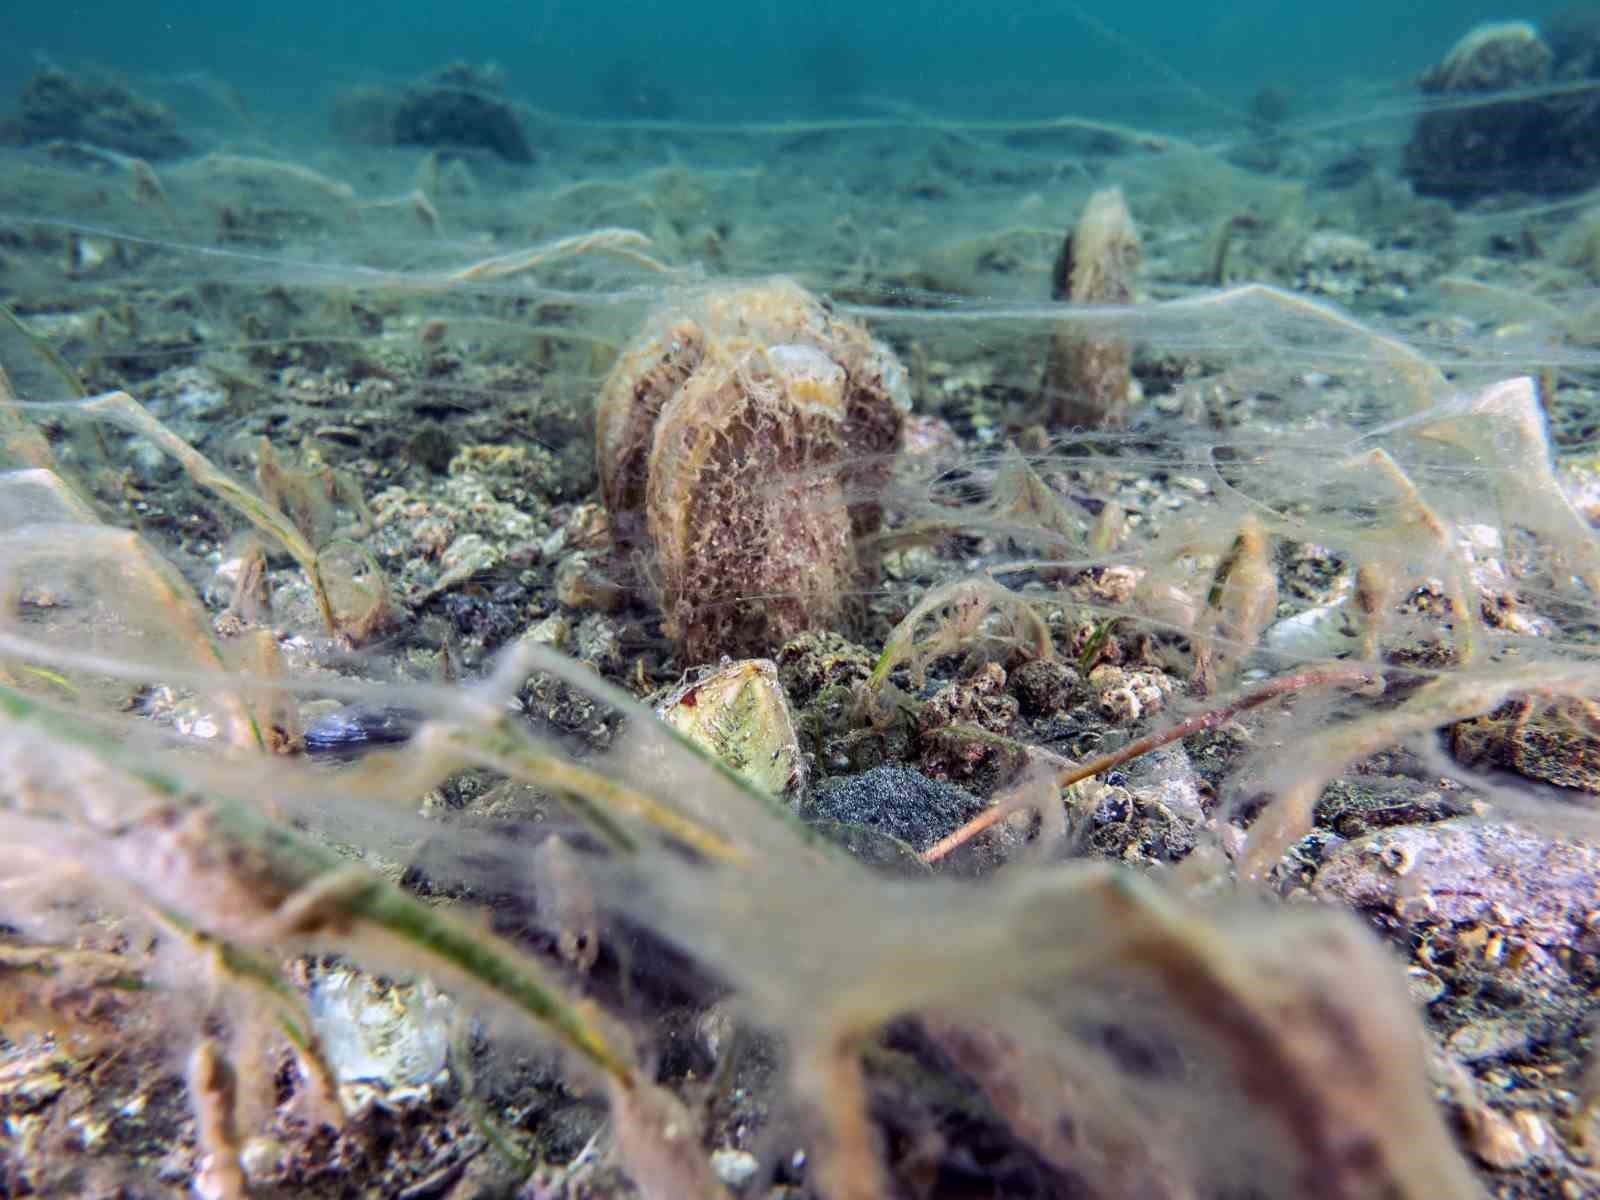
[[360, 727]]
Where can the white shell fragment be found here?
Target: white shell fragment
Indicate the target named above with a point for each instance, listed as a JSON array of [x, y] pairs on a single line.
[[395, 1036], [735, 1167], [740, 714], [1321, 632]]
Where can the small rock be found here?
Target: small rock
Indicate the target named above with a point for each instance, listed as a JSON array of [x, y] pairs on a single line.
[[1494, 1139], [511, 472], [929, 436], [582, 584], [598, 640], [466, 556], [734, 1167], [588, 528], [150, 463], [195, 393], [1425, 987], [1482, 1040], [264, 1160], [1334, 251], [1044, 686], [1166, 777], [1321, 632], [392, 1036], [554, 631], [716, 1029]]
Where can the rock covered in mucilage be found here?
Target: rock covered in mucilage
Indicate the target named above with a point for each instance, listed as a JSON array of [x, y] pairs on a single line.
[[103, 112], [457, 107], [1538, 143]]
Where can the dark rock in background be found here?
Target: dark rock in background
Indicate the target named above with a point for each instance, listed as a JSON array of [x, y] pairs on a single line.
[[54, 105], [1540, 145], [458, 107]]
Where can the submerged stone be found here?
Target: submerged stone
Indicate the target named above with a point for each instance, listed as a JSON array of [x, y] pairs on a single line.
[[1543, 144], [54, 105]]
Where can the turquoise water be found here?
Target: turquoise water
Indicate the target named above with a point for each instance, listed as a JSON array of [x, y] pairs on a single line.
[[766, 58]]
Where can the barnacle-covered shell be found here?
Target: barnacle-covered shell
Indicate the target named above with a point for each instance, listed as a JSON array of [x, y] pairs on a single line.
[[643, 380], [744, 443], [746, 510], [740, 714]]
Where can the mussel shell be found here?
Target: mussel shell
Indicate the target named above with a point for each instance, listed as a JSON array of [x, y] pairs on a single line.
[[358, 728]]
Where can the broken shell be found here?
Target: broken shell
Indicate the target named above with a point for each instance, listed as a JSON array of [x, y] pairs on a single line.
[[740, 714], [394, 1036], [742, 453]]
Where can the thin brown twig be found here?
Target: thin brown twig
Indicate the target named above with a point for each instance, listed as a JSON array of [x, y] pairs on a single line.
[[1199, 723]]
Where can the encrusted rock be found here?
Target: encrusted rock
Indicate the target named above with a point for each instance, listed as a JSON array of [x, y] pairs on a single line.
[[980, 700], [1044, 686], [1556, 740], [821, 659], [457, 106], [99, 111], [1509, 880], [1540, 144], [1128, 695]]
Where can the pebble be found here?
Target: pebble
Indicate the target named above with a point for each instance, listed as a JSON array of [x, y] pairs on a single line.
[[1493, 1038], [554, 631], [1494, 1139], [734, 1167], [1425, 987]]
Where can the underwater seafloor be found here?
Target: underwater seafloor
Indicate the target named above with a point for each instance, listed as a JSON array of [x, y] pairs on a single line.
[[325, 877]]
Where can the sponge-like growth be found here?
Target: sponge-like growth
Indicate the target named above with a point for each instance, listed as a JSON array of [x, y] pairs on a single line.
[[744, 442]]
